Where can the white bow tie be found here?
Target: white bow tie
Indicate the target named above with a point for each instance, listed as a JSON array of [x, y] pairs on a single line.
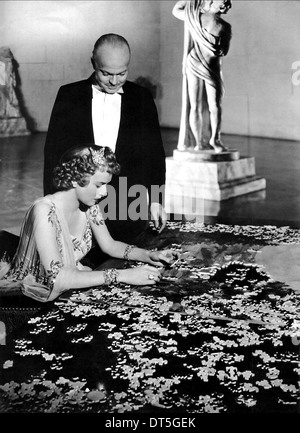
[[98, 91]]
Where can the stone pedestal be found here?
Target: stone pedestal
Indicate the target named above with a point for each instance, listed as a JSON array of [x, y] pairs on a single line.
[[210, 176], [13, 126]]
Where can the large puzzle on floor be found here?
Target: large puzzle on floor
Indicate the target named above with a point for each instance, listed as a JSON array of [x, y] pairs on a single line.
[[217, 334]]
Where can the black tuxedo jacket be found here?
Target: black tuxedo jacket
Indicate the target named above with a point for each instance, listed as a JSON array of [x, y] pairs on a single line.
[[139, 148]]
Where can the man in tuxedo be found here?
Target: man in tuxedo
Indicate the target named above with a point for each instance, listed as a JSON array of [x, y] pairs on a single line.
[[108, 110]]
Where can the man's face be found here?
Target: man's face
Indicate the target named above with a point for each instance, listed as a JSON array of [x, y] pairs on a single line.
[[111, 67]]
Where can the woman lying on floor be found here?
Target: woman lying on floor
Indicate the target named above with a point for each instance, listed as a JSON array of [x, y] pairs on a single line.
[[57, 234]]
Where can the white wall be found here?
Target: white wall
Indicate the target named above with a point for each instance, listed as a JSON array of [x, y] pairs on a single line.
[[260, 98], [53, 40]]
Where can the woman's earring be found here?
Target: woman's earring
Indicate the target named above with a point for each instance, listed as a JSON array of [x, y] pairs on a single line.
[[74, 184]]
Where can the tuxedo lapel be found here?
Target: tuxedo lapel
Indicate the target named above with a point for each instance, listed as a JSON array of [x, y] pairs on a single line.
[[85, 100], [126, 108], [129, 124]]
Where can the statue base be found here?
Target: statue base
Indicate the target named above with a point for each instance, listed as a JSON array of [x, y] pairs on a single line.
[[213, 176], [205, 155], [13, 126]]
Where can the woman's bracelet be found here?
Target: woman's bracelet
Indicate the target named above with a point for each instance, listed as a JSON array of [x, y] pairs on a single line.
[[127, 251], [111, 276]]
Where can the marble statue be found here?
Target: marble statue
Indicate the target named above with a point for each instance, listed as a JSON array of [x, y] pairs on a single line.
[[206, 40], [11, 120], [9, 105]]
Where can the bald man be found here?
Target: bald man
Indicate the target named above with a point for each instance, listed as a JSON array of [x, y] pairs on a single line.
[[108, 110]]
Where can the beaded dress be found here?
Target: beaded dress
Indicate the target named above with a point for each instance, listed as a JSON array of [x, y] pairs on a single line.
[[48, 256]]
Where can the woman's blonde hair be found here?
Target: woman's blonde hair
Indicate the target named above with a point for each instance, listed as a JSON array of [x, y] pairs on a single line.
[[79, 163]]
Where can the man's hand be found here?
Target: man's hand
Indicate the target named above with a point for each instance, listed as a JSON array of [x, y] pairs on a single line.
[[158, 216]]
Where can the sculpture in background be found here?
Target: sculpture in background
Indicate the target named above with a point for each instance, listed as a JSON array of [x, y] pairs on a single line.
[[9, 106], [11, 120], [206, 39]]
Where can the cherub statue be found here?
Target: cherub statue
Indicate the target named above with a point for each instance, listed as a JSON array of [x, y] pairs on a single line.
[[207, 39]]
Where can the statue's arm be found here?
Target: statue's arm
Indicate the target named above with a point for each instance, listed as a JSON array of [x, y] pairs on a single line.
[[178, 9]]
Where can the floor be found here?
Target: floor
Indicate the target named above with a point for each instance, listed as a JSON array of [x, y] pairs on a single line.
[[278, 161], [213, 336]]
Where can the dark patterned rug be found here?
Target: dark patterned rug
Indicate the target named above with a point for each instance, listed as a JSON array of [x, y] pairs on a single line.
[[217, 334]]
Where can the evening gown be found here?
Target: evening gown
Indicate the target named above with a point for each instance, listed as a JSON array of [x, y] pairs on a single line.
[[47, 256]]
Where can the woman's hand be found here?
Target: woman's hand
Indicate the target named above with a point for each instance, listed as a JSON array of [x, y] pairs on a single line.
[[140, 276], [163, 257]]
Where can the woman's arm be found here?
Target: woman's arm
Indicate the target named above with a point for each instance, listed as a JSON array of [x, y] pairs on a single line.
[[178, 10], [55, 255], [63, 273], [121, 250]]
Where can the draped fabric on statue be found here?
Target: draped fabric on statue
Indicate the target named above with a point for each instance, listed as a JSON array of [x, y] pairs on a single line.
[[202, 41], [48, 256]]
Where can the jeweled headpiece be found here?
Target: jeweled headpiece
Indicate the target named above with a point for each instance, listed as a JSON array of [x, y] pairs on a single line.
[[98, 156]]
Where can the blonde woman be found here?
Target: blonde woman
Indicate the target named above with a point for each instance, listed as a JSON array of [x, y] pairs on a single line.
[[58, 228]]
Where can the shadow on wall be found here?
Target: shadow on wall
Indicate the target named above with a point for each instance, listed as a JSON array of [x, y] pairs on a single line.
[[154, 88]]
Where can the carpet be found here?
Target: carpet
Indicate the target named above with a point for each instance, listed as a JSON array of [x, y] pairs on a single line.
[[217, 335]]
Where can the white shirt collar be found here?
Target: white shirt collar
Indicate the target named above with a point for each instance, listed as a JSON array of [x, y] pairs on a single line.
[[97, 91]]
